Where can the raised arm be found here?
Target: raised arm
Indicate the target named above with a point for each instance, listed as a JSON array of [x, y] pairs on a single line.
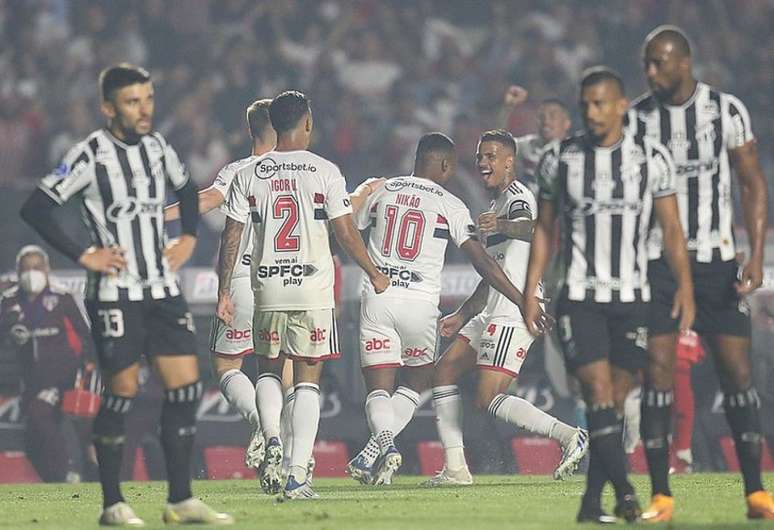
[[754, 195], [362, 192]]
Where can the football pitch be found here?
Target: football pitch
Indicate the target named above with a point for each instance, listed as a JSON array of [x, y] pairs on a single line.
[[707, 501]]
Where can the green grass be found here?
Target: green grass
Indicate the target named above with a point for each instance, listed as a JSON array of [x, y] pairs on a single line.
[[707, 501]]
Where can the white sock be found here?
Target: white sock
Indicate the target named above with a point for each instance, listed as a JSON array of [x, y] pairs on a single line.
[[306, 418], [286, 428], [380, 416], [448, 414], [238, 390], [520, 412], [404, 404], [268, 395]]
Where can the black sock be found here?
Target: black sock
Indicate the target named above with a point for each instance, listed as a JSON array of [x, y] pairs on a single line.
[[596, 478], [109, 435], [178, 427], [742, 415], [655, 427], [605, 430]]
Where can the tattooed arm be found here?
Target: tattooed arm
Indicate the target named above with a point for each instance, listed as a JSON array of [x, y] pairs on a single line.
[[229, 248]]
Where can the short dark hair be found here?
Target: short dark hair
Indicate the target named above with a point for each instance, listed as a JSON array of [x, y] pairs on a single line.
[[601, 74], [672, 34], [257, 116], [555, 101], [287, 109], [433, 143], [502, 137], [119, 76]]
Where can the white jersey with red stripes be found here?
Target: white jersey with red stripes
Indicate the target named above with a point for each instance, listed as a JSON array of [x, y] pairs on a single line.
[[289, 197], [412, 219]]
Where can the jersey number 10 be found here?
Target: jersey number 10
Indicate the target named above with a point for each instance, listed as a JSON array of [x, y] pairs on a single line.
[[410, 231]]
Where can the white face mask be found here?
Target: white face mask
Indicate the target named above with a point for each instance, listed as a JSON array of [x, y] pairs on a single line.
[[33, 281]]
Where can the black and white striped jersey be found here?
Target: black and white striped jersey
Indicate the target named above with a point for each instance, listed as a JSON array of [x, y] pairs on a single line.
[[699, 134], [122, 190], [604, 198]]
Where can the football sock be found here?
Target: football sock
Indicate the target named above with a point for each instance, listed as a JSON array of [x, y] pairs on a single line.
[[605, 431], [286, 427], [520, 412], [404, 404], [178, 427], [109, 434], [655, 426], [742, 415], [381, 417], [448, 413], [240, 392], [596, 478], [268, 395], [306, 418]]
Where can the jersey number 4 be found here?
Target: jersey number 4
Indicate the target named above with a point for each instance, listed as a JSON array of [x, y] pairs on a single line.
[[410, 231], [286, 207]]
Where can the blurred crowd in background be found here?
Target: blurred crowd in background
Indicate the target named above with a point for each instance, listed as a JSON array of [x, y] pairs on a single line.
[[380, 73]]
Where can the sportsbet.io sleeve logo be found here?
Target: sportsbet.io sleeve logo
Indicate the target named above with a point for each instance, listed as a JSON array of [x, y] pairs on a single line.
[[267, 167]]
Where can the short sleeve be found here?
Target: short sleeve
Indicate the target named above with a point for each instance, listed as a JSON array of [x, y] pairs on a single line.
[[461, 226], [337, 202], [739, 130], [662, 171], [223, 180], [177, 174], [73, 174], [362, 217], [237, 203], [548, 173], [520, 208]]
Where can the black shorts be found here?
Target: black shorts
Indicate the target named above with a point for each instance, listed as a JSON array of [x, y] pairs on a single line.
[[719, 309], [125, 331], [591, 331]]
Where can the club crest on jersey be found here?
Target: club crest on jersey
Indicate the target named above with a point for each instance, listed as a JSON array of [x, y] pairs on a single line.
[[710, 110], [50, 302]]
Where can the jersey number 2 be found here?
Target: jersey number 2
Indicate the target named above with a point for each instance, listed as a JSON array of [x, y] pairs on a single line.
[[286, 207], [410, 231]]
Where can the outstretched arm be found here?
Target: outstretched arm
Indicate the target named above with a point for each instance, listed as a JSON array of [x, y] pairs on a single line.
[[209, 199], [473, 305]]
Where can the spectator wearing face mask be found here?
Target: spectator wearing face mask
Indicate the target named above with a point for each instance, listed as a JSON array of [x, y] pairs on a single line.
[[53, 341]]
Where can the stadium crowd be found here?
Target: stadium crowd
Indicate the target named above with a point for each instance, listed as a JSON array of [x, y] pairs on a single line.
[[381, 73]]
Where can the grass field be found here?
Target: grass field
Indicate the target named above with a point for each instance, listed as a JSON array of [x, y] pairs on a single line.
[[707, 501]]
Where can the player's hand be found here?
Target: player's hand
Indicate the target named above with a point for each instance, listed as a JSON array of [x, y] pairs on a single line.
[[537, 320], [107, 260], [374, 183], [515, 95], [752, 277], [179, 250], [451, 324], [487, 223], [684, 306], [225, 310], [380, 282]]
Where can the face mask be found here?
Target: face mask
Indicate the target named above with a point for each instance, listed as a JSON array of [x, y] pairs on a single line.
[[33, 281]]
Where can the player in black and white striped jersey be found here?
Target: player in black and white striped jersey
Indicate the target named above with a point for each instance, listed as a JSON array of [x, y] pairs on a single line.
[[119, 175], [603, 185], [709, 134]]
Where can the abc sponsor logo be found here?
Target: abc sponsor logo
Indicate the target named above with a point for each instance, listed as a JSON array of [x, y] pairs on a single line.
[[415, 352], [238, 334], [267, 335], [318, 335], [374, 345]]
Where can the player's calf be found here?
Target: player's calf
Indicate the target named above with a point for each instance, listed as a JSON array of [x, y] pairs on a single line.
[[178, 427], [109, 435]]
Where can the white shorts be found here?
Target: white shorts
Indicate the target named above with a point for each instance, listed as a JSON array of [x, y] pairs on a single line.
[[300, 335], [236, 340], [498, 347], [396, 332]]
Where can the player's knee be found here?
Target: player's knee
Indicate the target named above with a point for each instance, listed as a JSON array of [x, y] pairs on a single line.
[[600, 391], [178, 414], [737, 378], [109, 425]]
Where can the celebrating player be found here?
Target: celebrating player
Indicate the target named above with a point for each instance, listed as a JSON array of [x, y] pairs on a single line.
[[708, 133], [120, 174], [494, 337], [290, 196], [411, 219], [602, 186]]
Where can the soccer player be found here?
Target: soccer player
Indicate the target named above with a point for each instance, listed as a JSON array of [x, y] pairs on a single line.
[[708, 133], [553, 123], [411, 218], [290, 196], [490, 332], [120, 174], [602, 185]]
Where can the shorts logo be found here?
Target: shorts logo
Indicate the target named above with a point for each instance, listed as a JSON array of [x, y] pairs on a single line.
[[521, 353], [489, 344], [490, 329], [266, 335], [318, 335], [237, 334], [639, 336], [377, 345], [415, 352]]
